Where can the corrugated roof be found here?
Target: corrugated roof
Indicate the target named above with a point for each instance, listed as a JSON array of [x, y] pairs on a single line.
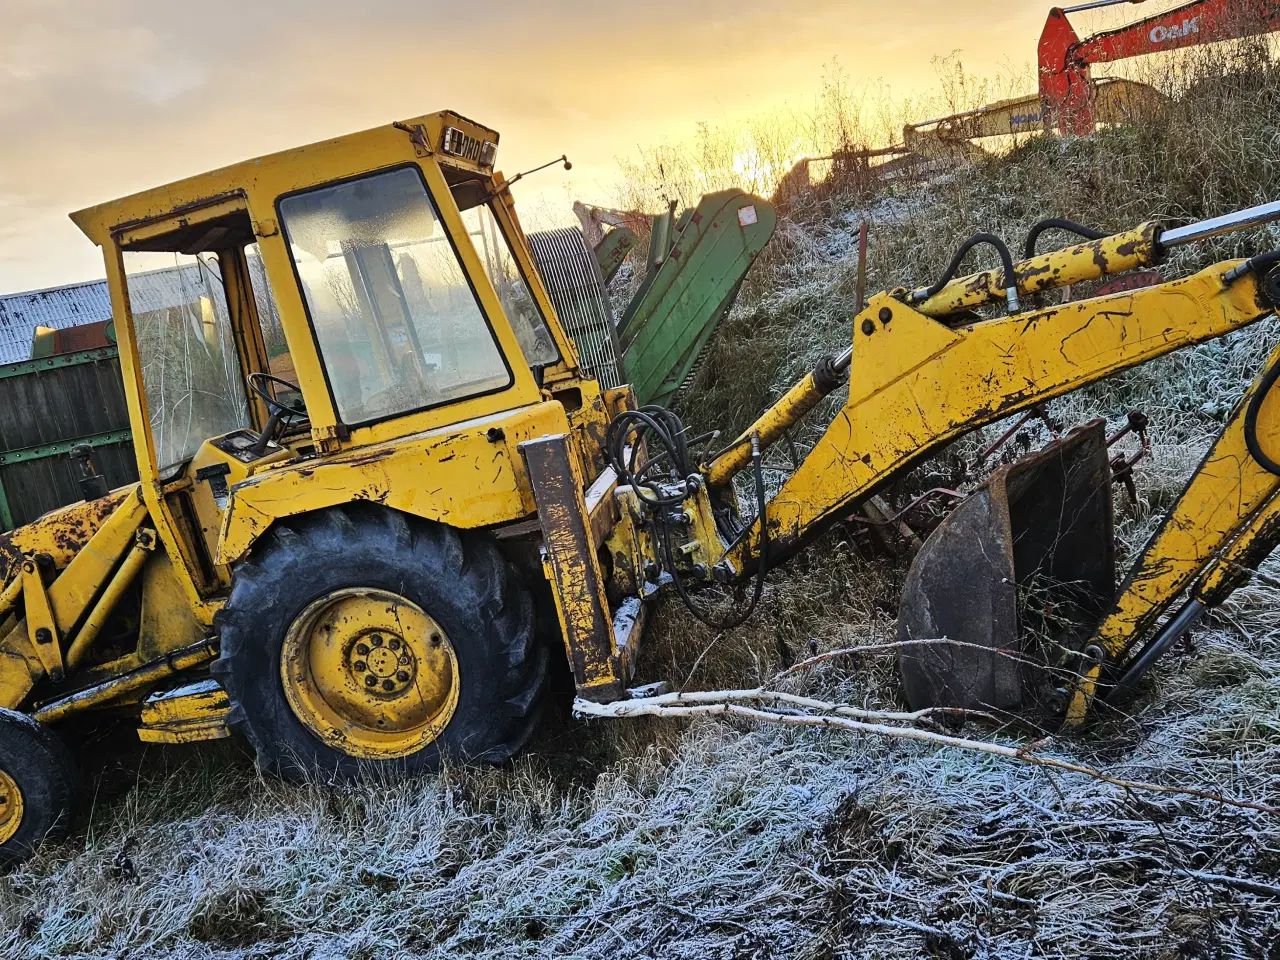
[[77, 303], [57, 307]]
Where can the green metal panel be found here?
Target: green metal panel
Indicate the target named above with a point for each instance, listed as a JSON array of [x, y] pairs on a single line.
[[666, 328], [661, 236], [63, 446], [6, 515], [60, 360], [47, 406], [613, 249]]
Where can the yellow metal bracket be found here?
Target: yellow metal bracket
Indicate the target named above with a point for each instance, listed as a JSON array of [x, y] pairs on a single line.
[[9, 597], [197, 711], [41, 625], [417, 136], [144, 544], [569, 560]]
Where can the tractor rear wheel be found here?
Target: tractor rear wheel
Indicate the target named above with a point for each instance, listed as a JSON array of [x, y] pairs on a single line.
[[38, 783], [360, 637]]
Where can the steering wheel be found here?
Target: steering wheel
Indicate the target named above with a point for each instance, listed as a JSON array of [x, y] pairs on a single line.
[[281, 415]]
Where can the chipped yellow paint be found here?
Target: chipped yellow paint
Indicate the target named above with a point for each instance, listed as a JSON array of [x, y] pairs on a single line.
[[565, 566], [1226, 491], [208, 514], [789, 410], [704, 544], [466, 475], [628, 545], [186, 716], [62, 533], [570, 564], [70, 595], [916, 383], [1256, 541], [42, 628], [370, 673], [167, 622], [1059, 268]]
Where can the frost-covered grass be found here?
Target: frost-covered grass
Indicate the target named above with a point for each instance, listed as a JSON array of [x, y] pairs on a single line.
[[713, 839]]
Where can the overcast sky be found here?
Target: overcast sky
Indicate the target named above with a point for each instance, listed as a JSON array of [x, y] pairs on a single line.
[[99, 98]]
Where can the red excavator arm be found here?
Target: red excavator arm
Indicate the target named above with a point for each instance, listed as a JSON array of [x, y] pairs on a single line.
[[1066, 89]]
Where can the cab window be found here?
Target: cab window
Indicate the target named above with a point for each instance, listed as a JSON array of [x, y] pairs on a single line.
[[504, 273], [190, 369], [397, 322]]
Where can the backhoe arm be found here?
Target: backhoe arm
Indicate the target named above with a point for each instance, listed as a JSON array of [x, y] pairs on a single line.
[[1228, 490], [916, 384], [1225, 522], [1192, 24]]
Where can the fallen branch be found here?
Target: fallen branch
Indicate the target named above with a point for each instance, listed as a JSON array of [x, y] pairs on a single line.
[[736, 703], [646, 706], [1016, 656]]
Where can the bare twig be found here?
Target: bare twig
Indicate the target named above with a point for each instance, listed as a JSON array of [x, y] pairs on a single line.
[[898, 645], [733, 703]]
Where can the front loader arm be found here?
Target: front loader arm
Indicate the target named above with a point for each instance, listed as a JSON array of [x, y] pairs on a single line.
[[916, 383], [92, 564]]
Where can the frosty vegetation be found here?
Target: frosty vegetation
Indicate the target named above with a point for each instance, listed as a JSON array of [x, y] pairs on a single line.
[[720, 838]]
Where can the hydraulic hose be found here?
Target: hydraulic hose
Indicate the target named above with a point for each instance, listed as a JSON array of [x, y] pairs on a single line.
[[666, 430], [1251, 419], [1260, 264], [1006, 260], [1057, 223], [762, 569]]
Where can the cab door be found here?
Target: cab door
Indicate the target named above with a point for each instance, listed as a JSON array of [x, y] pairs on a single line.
[[198, 319]]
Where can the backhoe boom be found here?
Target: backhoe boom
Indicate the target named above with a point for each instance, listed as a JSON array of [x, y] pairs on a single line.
[[916, 383]]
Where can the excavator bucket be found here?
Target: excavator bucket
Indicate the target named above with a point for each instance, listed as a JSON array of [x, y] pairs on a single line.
[[1011, 581]]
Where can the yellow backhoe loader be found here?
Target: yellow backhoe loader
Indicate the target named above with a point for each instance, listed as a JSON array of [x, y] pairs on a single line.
[[344, 565]]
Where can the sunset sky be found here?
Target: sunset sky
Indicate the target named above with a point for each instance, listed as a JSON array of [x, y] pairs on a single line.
[[99, 98]]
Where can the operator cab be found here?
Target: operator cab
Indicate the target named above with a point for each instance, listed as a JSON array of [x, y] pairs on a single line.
[[343, 294], [216, 371]]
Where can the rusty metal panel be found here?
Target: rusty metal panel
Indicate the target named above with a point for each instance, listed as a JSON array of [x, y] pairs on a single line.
[[569, 558], [57, 308]]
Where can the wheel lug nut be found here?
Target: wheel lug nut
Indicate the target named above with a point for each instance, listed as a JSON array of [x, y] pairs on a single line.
[[404, 660], [362, 649], [394, 643], [388, 685], [403, 676], [361, 666], [376, 640], [371, 681]]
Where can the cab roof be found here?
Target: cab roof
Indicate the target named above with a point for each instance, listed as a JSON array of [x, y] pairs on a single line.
[[435, 135]]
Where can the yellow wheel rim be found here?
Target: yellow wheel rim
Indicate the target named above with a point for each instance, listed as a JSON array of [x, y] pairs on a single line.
[[369, 673], [10, 807]]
